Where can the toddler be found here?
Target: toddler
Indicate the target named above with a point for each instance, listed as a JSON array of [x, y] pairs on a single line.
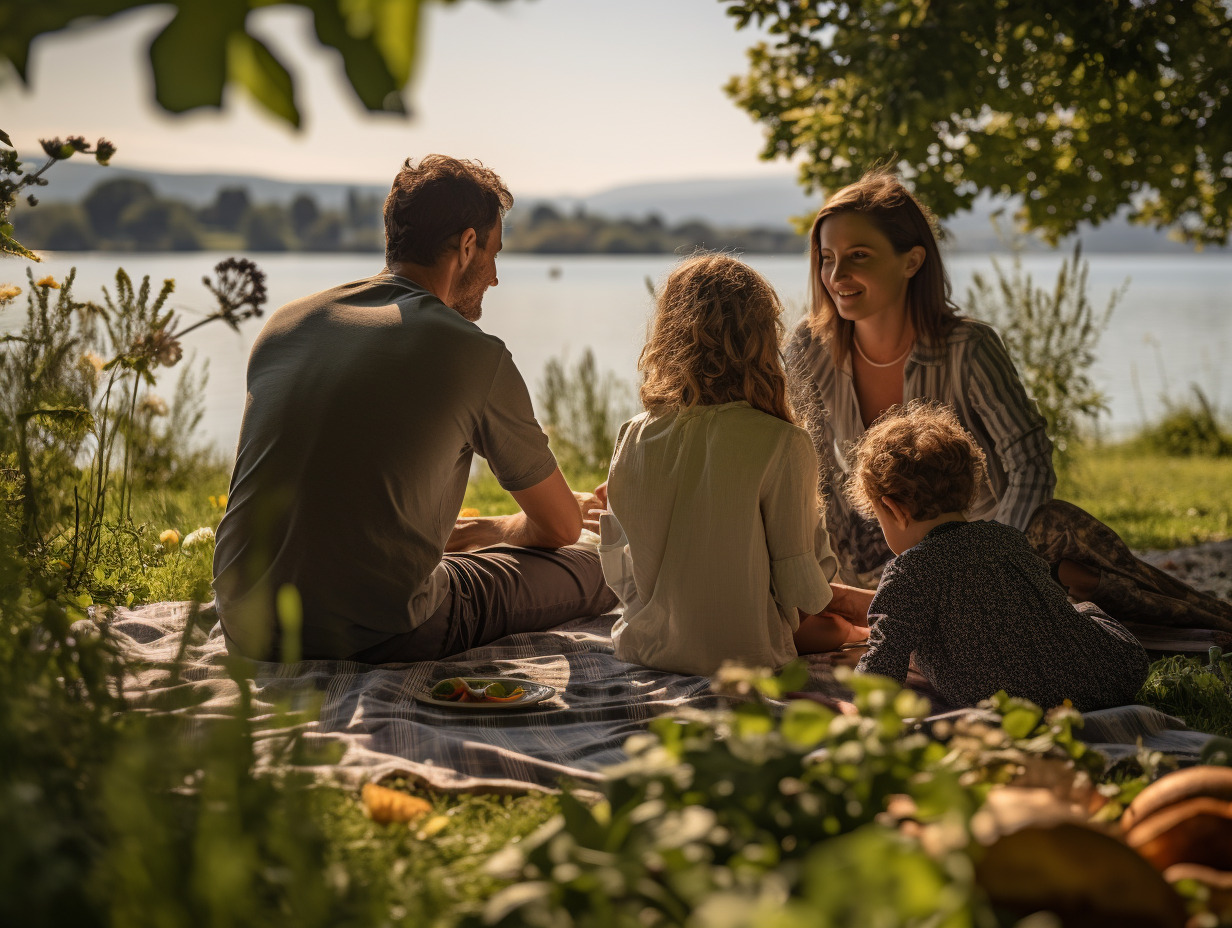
[[972, 603]]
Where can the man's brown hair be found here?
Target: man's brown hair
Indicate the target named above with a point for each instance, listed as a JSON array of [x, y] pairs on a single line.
[[920, 456], [715, 339], [433, 202]]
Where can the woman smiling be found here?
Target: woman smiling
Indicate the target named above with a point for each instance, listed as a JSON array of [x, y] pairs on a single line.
[[882, 331]]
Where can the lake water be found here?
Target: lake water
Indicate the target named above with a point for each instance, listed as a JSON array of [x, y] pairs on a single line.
[[1173, 327]]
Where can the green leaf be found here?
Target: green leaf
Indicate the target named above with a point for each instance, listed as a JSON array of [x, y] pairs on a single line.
[[397, 34], [1020, 721], [366, 69], [805, 723], [189, 57], [254, 66], [10, 246], [752, 719]]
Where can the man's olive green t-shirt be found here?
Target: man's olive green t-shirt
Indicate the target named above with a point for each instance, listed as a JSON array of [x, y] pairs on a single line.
[[365, 404]]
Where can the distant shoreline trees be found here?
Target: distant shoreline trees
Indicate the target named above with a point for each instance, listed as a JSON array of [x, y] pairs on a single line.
[[126, 214]]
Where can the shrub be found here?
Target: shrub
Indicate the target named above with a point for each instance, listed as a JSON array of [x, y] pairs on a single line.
[[1187, 430], [1051, 336], [582, 411]]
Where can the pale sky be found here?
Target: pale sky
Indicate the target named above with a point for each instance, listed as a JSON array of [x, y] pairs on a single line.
[[558, 96]]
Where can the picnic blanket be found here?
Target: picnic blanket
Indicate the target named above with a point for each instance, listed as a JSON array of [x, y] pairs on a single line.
[[377, 728]]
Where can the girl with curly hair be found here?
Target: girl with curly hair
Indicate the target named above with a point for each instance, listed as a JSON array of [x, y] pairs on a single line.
[[714, 541]]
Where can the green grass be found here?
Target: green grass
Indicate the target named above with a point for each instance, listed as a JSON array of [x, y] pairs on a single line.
[[432, 879], [180, 573], [486, 494], [1152, 501], [1187, 687]]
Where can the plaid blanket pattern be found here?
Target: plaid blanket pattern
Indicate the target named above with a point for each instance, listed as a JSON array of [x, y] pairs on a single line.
[[371, 711], [370, 725]]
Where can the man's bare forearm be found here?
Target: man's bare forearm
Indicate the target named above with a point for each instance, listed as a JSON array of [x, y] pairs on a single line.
[[517, 529]]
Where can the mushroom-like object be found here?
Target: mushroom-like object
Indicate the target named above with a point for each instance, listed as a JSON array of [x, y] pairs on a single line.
[[1193, 831], [1087, 878], [1204, 780]]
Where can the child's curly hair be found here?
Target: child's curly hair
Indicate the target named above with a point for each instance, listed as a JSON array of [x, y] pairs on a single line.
[[715, 339], [920, 456]]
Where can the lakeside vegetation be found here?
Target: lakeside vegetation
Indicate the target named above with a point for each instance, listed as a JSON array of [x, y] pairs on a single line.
[[126, 214]]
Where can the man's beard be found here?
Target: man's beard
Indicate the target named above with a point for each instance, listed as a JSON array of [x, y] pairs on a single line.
[[469, 302]]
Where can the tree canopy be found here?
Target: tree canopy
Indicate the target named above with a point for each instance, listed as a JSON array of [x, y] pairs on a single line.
[[1079, 109], [206, 46]]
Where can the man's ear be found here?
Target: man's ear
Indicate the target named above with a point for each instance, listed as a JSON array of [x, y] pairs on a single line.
[[898, 512], [468, 245]]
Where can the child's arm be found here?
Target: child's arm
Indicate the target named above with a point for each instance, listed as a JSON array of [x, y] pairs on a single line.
[[897, 623]]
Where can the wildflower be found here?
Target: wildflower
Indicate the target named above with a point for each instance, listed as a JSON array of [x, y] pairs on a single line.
[[468, 513], [170, 538], [103, 151], [160, 346], [47, 281], [153, 405], [219, 501], [240, 284], [8, 292], [198, 537], [94, 361]]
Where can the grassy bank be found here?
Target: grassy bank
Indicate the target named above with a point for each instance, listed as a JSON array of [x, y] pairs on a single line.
[[1152, 500]]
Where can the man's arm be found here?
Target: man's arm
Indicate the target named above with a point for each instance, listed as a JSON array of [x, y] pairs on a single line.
[[551, 517]]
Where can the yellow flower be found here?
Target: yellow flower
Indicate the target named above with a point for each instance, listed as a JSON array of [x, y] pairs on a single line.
[[170, 538], [47, 281], [8, 292], [219, 501], [468, 513], [94, 361]]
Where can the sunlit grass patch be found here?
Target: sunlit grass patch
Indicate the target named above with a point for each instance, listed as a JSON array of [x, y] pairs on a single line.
[[432, 871], [1150, 500]]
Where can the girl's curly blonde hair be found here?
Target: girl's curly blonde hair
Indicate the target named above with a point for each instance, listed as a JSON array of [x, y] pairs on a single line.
[[920, 456], [715, 339]]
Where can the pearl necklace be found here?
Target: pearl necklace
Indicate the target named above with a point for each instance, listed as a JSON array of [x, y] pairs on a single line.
[[871, 363]]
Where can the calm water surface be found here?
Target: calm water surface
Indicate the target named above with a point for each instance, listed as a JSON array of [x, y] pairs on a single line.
[[1172, 328]]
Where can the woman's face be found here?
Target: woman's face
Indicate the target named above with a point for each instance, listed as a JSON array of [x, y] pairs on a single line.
[[860, 269]]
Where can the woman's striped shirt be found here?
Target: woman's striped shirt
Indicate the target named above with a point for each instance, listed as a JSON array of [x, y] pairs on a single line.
[[970, 371]]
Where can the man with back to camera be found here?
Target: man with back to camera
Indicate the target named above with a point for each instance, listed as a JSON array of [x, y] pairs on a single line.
[[365, 404]]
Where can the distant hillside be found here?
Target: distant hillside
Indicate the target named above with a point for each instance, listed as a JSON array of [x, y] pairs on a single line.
[[743, 202], [72, 180]]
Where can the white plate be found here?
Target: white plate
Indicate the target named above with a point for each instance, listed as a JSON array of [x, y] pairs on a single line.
[[532, 693]]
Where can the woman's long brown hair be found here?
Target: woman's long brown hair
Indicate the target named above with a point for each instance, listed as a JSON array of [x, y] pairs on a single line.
[[715, 339], [883, 200]]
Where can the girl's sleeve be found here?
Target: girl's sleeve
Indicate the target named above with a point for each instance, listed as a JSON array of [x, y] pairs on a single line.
[[1018, 431], [895, 629], [798, 576]]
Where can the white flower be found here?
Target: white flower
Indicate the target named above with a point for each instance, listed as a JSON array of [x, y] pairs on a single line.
[[197, 537]]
